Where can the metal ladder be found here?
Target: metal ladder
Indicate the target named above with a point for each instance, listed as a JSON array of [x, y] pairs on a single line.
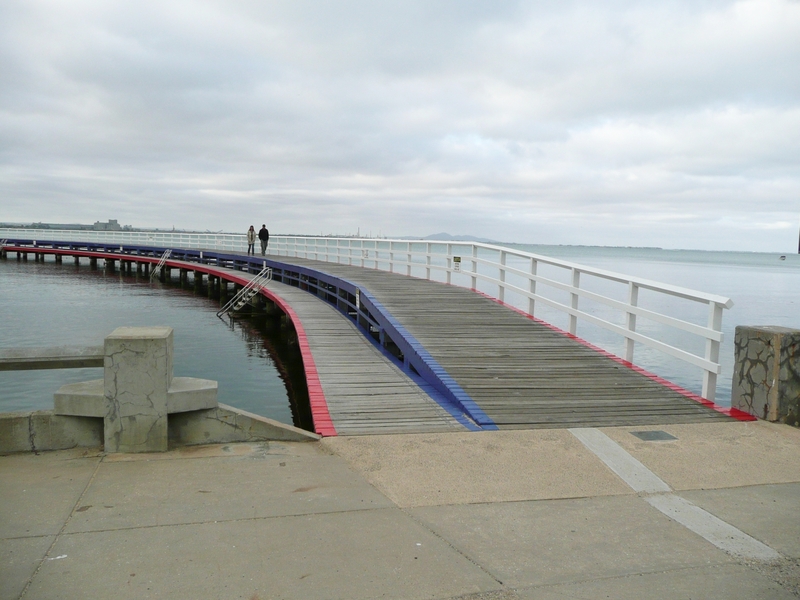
[[157, 269], [244, 295]]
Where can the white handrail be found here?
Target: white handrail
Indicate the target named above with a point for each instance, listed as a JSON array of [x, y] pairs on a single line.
[[506, 270], [492, 265]]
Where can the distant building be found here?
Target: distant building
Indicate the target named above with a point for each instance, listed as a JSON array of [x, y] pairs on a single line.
[[111, 225]]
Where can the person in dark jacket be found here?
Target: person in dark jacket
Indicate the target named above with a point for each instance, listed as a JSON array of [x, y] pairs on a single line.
[[263, 235]]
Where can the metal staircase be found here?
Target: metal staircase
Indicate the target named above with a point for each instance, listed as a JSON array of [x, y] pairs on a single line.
[[244, 295], [157, 269]]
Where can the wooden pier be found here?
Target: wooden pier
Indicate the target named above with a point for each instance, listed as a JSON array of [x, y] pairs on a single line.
[[520, 372], [514, 372]]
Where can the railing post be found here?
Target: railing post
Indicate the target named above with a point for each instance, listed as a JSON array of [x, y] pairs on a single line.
[[532, 285], [391, 257], [712, 351], [630, 319], [501, 288], [449, 272], [573, 319], [409, 256], [474, 267], [428, 261]]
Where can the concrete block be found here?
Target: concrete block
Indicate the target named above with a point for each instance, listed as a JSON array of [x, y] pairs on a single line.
[[15, 432], [225, 424], [190, 393], [138, 373], [766, 376], [42, 430], [84, 399], [87, 398]]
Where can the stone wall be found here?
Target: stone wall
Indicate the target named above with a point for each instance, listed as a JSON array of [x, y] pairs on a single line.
[[766, 375]]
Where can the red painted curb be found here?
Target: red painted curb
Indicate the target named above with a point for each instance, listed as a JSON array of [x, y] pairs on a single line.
[[735, 413], [323, 423]]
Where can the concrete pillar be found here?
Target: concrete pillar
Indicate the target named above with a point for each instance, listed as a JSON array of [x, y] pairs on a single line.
[[198, 281], [92, 262], [766, 373], [59, 259], [77, 260], [136, 418]]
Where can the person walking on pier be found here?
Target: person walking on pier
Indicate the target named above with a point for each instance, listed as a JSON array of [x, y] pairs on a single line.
[[263, 235], [251, 241]]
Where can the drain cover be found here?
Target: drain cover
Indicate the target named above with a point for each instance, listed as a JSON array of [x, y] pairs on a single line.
[[654, 436]]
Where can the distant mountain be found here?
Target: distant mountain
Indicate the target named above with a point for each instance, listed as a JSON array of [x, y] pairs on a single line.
[[446, 237]]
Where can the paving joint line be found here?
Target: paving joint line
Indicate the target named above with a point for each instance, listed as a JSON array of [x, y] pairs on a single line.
[[63, 527], [663, 498]]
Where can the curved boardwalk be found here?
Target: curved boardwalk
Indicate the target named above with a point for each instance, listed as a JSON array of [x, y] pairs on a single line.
[[520, 372], [487, 365], [364, 391]]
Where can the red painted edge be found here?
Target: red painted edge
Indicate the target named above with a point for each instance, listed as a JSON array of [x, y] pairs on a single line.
[[323, 423], [735, 413]]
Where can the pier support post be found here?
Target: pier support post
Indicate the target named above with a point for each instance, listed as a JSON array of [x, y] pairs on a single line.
[[77, 260], [59, 259], [766, 373], [93, 262]]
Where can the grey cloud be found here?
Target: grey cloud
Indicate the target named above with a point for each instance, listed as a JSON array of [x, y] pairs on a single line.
[[632, 121]]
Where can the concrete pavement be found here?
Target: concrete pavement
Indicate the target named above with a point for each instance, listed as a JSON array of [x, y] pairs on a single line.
[[489, 515]]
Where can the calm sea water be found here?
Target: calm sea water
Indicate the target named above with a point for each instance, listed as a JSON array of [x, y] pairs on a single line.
[[256, 363]]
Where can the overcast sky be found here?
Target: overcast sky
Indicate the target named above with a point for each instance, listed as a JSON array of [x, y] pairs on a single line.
[[673, 124]]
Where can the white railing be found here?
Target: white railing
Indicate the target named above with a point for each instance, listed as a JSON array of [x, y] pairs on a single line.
[[616, 303], [212, 241], [528, 281]]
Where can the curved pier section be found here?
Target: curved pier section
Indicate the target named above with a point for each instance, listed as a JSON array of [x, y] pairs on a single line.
[[484, 365], [354, 386]]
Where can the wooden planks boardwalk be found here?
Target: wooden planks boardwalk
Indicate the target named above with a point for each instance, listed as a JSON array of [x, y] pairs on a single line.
[[521, 373], [365, 392]]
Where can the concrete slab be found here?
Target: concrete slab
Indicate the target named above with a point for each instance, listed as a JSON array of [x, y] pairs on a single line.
[[760, 511], [717, 455], [351, 555], [558, 541], [719, 582], [19, 559], [40, 491], [186, 489], [464, 468]]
